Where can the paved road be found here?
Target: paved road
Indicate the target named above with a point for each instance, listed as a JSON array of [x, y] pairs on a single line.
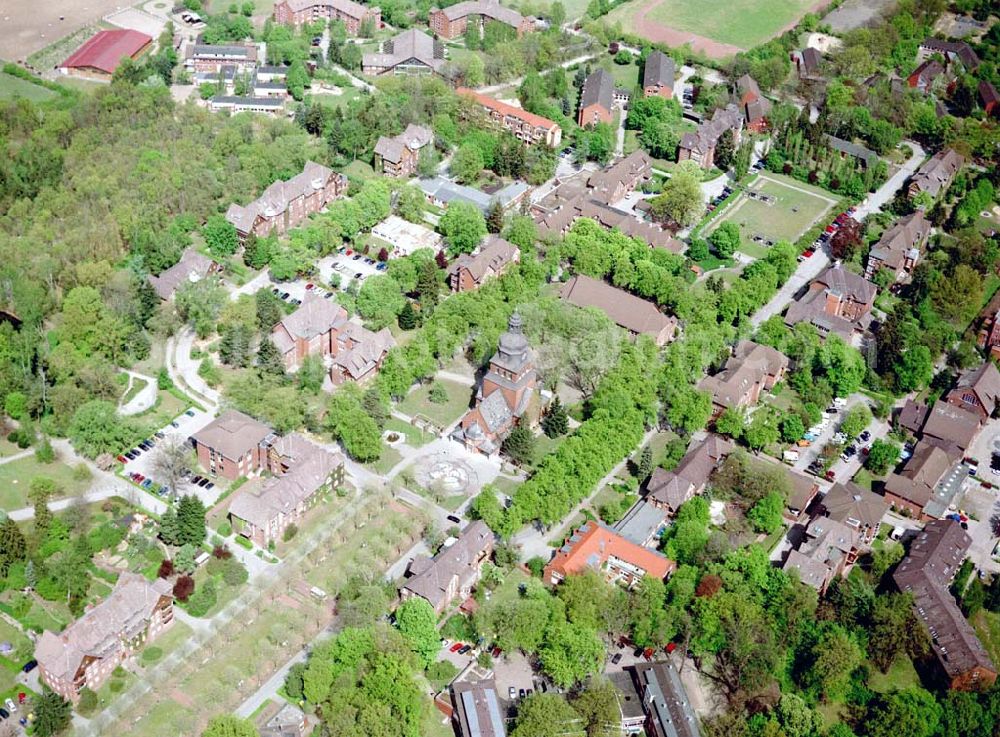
[[183, 369], [144, 399], [810, 268]]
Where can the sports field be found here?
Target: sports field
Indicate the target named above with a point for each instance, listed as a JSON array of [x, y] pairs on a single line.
[[717, 30], [793, 208]]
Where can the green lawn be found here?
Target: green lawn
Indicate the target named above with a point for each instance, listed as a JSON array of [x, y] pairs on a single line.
[[414, 436], [418, 402], [742, 23], [137, 386], [796, 208], [389, 458], [16, 476], [11, 87], [901, 675], [626, 76], [987, 626], [22, 645]]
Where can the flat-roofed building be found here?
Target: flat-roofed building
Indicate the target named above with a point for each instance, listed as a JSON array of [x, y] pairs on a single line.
[[668, 710], [477, 709]]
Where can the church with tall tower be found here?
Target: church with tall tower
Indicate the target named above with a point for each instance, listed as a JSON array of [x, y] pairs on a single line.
[[507, 396]]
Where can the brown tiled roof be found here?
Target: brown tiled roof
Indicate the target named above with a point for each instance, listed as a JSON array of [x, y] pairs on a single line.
[[494, 256], [637, 165], [658, 70], [988, 93], [313, 317], [926, 73], [854, 506], [507, 110], [411, 44], [927, 571], [803, 489], [457, 560], [347, 7], [967, 55], [904, 235], [952, 427], [749, 365], [598, 89], [369, 349], [710, 131], [920, 476], [99, 633], [191, 267], [626, 310], [309, 468], [938, 171], [673, 488], [414, 138], [912, 416], [492, 10], [233, 434], [984, 382], [276, 198]]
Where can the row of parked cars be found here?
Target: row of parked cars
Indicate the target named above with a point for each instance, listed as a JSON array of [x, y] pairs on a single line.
[[286, 297], [828, 232]]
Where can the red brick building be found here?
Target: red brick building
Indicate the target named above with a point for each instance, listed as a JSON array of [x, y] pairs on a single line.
[[597, 99], [470, 272], [284, 205], [451, 22], [658, 76], [232, 445], [505, 397], [299, 12], [525, 126], [594, 546]]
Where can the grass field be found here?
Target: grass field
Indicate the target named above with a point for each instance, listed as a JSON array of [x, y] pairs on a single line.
[[796, 208], [418, 402], [739, 23], [11, 87], [16, 476]]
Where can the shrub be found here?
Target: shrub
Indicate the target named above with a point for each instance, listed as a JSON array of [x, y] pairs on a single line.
[[45, 453], [291, 531], [50, 590], [438, 394], [244, 542], [87, 703], [166, 569], [163, 380], [221, 552], [536, 565], [235, 573], [202, 600], [20, 438], [225, 529], [183, 588], [81, 472], [151, 654]]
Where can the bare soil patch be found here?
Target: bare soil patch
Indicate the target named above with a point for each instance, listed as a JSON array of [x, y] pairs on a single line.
[[27, 26]]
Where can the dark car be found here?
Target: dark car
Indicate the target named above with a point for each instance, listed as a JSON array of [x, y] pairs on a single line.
[[358, 275], [453, 518], [204, 483], [356, 256], [160, 434], [865, 436], [209, 485], [617, 658], [521, 693], [464, 649], [30, 666], [4, 713]]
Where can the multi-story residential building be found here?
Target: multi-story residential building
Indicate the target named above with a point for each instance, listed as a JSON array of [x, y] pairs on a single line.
[[471, 271], [638, 316], [359, 353], [754, 106], [232, 445], [936, 174], [952, 51], [300, 12], [452, 22], [86, 653], [859, 509], [658, 75], [977, 391], [399, 156], [523, 125], [284, 205], [263, 509], [751, 370], [192, 267], [927, 572], [700, 146], [668, 490], [668, 710], [595, 546], [412, 52], [453, 572], [899, 247], [311, 330], [507, 395], [923, 488], [212, 58], [837, 301], [597, 99], [926, 77], [621, 178], [828, 549]]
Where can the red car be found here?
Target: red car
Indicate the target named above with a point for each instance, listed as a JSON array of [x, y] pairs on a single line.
[[456, 647], [830, 475], [808, 253], [831, 228], [496, 651], [648, 653], [671, 646], [122, 459]]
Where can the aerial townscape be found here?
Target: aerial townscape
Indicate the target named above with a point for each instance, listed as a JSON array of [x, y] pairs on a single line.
[[499, 368]]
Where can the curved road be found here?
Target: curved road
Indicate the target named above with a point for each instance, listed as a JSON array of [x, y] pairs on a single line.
[[144, 399]]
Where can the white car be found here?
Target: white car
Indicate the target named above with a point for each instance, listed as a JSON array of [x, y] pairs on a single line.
[[11, 706]]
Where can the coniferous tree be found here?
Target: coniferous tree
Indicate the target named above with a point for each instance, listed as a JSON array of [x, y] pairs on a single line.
[[645, 465], [374, 407], [407, 317], [519, 445], [441, 259], [170, 527], [13, 548], [428, 285], [494, 217], [555, 422], [190, 520], [269, 360]]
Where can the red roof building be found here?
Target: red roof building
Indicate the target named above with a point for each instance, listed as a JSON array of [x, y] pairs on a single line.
[[525, 126], [100, 55], [598, 547]]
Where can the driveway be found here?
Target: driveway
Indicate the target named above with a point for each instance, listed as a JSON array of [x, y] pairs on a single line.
[[183, 369], [144, 398]]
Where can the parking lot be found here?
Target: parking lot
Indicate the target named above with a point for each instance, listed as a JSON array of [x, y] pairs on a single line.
[[186, 425], [348, 266], [513, 671]]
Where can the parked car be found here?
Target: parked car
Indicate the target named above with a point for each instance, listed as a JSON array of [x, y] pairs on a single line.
[[464, 649], [11, 706], [189, 413], [617, 658], [865, 436], [453, 518], [4, 713], [511, 693], [30, 666], [456, 647], [496, 651]]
